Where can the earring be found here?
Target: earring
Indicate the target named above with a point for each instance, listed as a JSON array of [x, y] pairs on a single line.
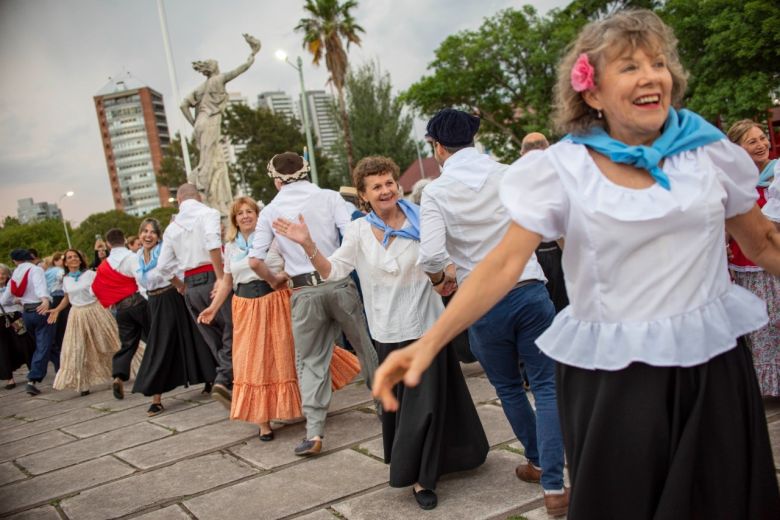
[[598, 114]]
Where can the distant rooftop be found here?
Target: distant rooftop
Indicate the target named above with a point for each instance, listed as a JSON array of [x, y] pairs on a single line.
[[119, 83]]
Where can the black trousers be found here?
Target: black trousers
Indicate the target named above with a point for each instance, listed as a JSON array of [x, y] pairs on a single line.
[[133, 322]]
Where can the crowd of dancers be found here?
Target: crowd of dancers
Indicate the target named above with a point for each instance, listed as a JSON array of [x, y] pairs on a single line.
[[642, 365]]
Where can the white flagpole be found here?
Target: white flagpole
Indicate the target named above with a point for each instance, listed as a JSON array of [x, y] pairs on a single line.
[[174, 87]]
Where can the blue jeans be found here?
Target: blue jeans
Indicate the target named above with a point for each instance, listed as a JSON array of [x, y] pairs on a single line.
[[503, 336], [44, 337]]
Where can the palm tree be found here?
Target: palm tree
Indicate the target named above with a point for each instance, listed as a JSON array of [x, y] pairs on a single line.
[[329, 22]]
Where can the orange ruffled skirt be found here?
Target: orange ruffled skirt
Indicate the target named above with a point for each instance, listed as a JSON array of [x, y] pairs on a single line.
[[265, 384]]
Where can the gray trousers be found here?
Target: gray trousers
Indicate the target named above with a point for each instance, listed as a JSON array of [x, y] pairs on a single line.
[[318, 315], [219, 334]]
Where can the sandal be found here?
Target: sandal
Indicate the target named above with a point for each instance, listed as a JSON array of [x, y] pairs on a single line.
[[155, 409]]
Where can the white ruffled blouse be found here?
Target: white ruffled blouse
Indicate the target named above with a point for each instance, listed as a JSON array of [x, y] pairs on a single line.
[[771, 209], [645, 269]]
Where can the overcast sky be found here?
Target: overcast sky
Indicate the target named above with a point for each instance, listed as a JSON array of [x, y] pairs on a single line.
[[57, 54]]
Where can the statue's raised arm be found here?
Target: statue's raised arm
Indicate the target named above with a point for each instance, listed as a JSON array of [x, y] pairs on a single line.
[[210, 100]]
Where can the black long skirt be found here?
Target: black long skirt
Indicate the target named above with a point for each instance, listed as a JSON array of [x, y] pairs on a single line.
[[176, 353], [15, 350], [436, 429], [668, 442]]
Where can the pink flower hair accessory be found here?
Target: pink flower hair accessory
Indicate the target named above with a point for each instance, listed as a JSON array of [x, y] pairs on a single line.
[[582, 74]]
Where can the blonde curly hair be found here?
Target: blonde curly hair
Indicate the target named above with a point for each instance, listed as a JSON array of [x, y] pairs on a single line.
[[602, 40]]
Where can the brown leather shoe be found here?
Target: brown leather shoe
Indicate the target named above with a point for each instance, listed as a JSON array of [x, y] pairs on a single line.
[[528, 473], [557, 505]]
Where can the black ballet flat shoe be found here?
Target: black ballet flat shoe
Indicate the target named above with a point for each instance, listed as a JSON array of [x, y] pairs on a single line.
[[266, 437], [207, 388], [426, 499], [10, 386], [155, 409], [118, 389], [85, 392]]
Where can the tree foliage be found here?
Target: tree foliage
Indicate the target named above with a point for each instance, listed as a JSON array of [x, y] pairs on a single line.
[[46, 236], [378, 125], [328, 23], [266, 134], [172, 172], [731, 48]]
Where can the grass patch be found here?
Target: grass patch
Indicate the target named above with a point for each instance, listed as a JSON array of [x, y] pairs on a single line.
[[513, 450]]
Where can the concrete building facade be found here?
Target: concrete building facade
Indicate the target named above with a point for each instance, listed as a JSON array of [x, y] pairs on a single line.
[[28, 211], [134, 132], [322, 118]]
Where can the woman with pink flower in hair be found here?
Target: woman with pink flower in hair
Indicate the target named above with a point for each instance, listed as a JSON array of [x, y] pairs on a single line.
[[660, 409]]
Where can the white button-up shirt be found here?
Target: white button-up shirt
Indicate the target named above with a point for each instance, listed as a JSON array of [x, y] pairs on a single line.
[[123, 261], [324, 212], [399, 300], [462, 218], [36, 289], [188, 239]]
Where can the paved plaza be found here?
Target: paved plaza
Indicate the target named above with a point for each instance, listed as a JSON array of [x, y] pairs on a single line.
[[94, 457]]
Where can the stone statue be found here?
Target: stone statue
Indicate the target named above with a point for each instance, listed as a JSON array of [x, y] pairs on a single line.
[[209, 100]]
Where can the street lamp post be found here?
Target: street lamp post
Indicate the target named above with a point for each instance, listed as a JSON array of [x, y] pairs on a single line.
[[298, 65], [62, 215]]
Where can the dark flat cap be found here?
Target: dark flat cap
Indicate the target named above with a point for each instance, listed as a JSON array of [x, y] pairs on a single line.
[[452, 127], [21, 255]]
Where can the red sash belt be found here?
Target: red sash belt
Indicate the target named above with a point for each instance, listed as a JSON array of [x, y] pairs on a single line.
[[205, 268], [18, 290]]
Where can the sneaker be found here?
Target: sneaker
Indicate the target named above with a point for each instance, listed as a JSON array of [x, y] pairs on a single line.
[[222, 394], [32, 389], [308, 447], [528, 472], [557, 505]]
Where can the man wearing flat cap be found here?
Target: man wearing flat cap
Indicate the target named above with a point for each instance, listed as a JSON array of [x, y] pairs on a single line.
[[28, 285], [461, 221], [320, 308]]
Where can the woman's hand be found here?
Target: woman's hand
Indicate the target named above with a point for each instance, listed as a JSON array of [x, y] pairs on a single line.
[[53, 314], [297, 232], [407, 365], [207, 315]]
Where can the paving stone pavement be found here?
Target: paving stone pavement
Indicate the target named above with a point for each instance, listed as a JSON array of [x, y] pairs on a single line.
[[68, 457]]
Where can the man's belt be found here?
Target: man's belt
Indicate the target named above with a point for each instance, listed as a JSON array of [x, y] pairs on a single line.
[[525, 282], [31, 307], [155, 292], [311, 279], [131, 301], [254, 289], [205, 268]]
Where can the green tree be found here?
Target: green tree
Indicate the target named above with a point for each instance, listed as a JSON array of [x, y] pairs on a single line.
[[97, 224], [505, 70], [46, 236], [328, 24], [266, 134], [731, 48], [172, 172], [376, 120]]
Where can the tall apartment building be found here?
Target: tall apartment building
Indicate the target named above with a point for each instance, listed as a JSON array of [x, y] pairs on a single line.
[[279, 102], [28, 211], [322, 118], [134, 132]]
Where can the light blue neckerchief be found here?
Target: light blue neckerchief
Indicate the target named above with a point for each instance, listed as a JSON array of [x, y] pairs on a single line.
[[75, 275], [412, 231], [767, 174], [683, 130], [143, 266], [243, 245]]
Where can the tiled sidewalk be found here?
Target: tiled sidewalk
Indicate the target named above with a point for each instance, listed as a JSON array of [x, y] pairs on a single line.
[[63, 456]]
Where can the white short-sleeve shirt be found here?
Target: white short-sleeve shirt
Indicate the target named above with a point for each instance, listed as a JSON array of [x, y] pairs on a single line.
[[80, 291], [645, 269], [237, 265], [771, 209]]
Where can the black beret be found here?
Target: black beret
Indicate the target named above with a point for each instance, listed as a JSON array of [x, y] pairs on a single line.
[[452, 127], [21, 255]]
